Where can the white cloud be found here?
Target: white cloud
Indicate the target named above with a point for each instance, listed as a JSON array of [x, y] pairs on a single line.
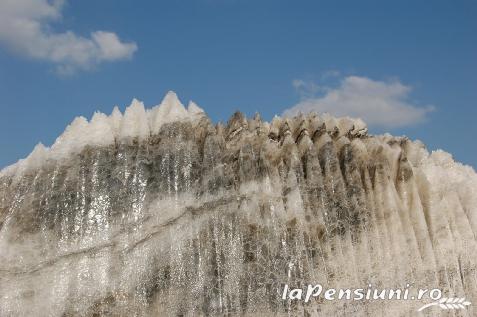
[[378, 103], [25, 28]]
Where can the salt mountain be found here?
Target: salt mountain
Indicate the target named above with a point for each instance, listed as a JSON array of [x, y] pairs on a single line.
[[160, 212]]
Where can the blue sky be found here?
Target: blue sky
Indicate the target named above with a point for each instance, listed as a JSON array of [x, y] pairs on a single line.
[[418, 57]]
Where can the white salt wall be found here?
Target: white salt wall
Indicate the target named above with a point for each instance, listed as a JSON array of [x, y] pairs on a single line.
[[199, 219]]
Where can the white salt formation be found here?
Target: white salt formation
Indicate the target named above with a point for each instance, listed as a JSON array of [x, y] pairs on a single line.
[[104, 130], [159, 212]]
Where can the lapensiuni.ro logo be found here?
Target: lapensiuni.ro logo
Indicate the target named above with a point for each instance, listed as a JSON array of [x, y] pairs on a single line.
[[370, 293]]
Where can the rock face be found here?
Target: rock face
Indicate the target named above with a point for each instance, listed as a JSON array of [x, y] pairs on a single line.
[[162, 213]]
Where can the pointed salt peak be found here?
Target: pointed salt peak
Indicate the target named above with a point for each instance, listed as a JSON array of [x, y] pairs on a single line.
[[101, 131], [169, 110], [77, 126], [99, 117], [116, 113], [239, 117], [193, 108], [237, 121], [78, 122], [171, 98], [36, 158], [39, 153], [255, 122], [135, 121], [135, 105], [134, 111], [115, 120], [40, 149], [72, 138], [171, 106]]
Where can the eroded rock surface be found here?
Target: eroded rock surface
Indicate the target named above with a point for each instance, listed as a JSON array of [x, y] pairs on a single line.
[[187, 218]]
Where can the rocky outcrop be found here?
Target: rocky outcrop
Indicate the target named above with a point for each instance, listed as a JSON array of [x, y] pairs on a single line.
[[163, 213]]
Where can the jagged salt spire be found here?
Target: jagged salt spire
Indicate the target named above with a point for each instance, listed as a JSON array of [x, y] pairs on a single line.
[[134, 123], [101, 130], [171, 109]]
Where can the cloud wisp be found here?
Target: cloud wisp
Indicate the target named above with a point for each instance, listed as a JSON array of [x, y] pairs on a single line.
[[25, 28], [378, 103]]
